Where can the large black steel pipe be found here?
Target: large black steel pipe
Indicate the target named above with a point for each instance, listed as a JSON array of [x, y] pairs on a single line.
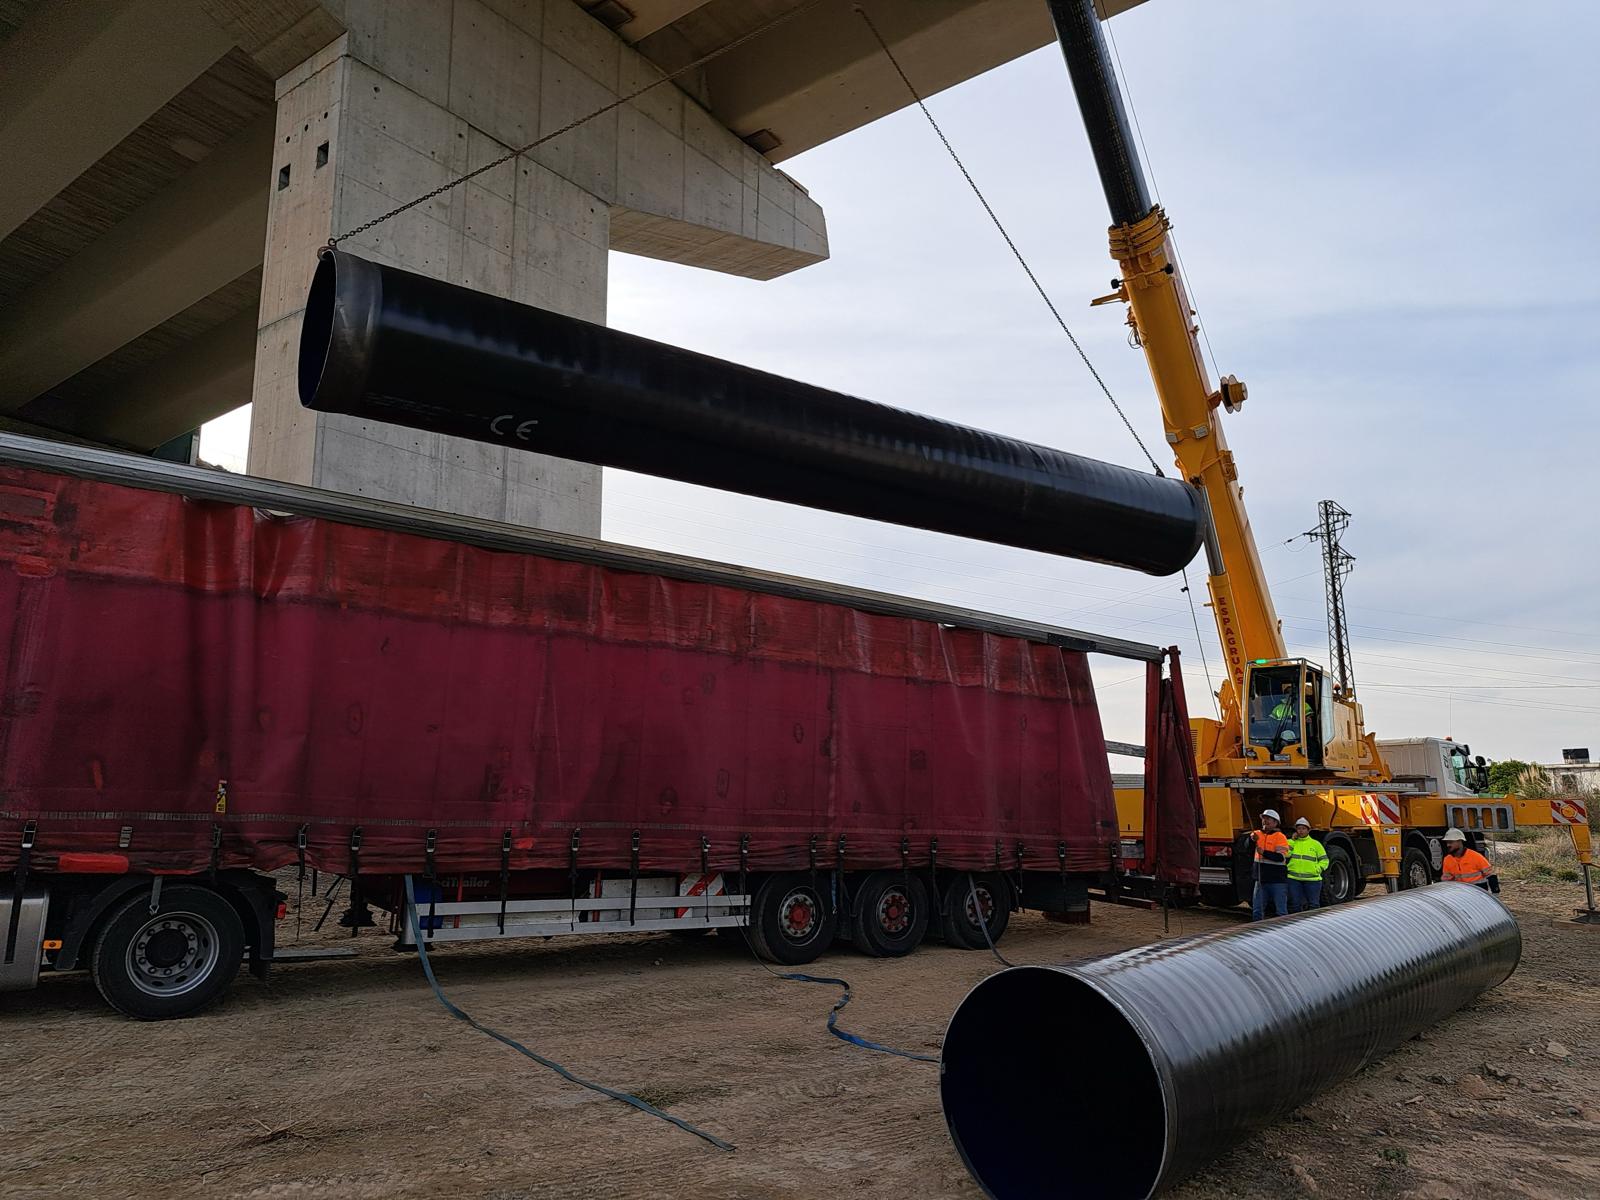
[[1118, 1076], [1100, 103], [386, 345]]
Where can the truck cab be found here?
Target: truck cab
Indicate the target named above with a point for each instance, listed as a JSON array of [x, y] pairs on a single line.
[[1296, 721]]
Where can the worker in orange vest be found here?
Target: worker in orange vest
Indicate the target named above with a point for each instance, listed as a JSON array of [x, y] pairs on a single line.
[[1462, 864], [1271, 867]]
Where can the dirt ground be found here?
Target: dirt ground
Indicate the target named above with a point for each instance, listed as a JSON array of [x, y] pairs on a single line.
[[346, 1079]]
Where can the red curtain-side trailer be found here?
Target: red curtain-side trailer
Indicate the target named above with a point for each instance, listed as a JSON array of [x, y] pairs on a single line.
[[546, 734]]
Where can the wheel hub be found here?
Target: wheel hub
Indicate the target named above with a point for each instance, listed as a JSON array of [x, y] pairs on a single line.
[[166, 947], [173, 953], [797, 916], [985, 905], [894, 911]]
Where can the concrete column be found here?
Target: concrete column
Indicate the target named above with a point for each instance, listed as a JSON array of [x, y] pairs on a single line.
[[418, 92]]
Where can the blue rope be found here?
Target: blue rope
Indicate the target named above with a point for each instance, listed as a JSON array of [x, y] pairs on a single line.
[[460, 1015], [845, 1035]]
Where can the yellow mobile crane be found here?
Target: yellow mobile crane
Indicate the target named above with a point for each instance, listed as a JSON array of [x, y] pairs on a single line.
[[1287, 738]]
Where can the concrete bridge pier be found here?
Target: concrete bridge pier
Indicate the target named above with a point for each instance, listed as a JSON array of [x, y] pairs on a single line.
[[411, 96]]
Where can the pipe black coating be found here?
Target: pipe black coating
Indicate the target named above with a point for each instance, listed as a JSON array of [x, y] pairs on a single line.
[[1118, 1076], [384, 344], [1083, 44]]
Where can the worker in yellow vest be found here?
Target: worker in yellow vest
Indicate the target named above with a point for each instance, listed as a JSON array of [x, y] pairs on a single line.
[[1307, 863]]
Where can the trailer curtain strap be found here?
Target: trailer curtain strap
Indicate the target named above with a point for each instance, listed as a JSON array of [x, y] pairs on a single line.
[[460, 1015]]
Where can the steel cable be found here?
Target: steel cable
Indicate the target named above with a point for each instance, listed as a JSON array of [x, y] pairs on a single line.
[[461, 1015]]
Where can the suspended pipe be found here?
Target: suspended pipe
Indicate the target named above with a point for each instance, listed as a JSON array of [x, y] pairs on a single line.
[[1118, 1076], [383, 344]]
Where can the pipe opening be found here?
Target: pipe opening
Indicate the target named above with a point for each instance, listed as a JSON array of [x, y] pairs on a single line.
[[316, 332], [1078, 1112]]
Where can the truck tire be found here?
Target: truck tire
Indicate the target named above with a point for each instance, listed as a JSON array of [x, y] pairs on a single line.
[[791, 918], [1415, 870], [1220, 895], [958, 919], [173, 963], [891, 914], [1339, 880]]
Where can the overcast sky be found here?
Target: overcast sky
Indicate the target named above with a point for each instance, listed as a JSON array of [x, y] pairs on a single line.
[[1387, 215]]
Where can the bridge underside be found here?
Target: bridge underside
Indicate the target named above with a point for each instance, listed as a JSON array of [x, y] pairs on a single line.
[[151, 163]]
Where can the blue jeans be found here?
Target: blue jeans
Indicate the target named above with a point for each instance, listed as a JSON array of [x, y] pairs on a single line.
[[1305, 894], [1273, 894]]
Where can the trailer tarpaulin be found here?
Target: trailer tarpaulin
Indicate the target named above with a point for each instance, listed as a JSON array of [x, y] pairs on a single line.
[[1172, 808], [176, 672]]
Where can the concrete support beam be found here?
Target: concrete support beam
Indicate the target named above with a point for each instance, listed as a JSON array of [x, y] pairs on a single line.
[[202, 232], [83, 74], [202, 379]]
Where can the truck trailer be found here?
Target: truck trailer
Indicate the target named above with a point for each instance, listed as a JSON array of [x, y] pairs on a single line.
[[209, 679]]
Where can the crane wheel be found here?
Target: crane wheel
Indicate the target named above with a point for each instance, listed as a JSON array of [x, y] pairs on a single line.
[[1339, 881], [1415, 870]]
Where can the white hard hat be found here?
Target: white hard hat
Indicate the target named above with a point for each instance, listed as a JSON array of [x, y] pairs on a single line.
[[1454, 835], [1270, 812], [1302, 821]]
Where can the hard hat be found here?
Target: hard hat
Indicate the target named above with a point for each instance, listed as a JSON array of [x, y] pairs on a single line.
[[1302, 821], [1270, 812], [1454, 835]]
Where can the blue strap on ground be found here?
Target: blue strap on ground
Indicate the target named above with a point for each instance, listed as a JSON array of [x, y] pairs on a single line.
[[460, 1015], [844, 1034]]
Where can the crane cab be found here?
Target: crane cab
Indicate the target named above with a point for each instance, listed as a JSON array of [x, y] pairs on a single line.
[[1294, 720]]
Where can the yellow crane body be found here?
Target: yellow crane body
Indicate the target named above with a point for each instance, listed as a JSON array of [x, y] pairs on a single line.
[[1285, 737]]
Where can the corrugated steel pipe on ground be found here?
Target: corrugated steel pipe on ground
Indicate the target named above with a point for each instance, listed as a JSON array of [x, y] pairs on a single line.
[[1116, 1077], [383, 344]]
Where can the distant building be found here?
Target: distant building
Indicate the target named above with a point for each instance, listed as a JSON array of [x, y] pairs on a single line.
[[1575, 774]]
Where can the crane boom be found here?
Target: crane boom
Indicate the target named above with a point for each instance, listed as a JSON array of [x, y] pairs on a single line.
[[1276, 712], [1162, 322]]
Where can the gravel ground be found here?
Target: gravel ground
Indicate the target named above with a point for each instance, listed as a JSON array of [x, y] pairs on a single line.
[[346, 1079]]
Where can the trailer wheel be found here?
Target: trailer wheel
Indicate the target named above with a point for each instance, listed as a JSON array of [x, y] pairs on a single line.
[[173, 963], [791, 919], [959, 922], [891, 914], [1339, 881], [1415, 871]]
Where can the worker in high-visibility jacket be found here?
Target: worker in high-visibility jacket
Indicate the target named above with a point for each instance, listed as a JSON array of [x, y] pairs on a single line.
[[1271, 867], [1308, 861], [1463, 864]]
